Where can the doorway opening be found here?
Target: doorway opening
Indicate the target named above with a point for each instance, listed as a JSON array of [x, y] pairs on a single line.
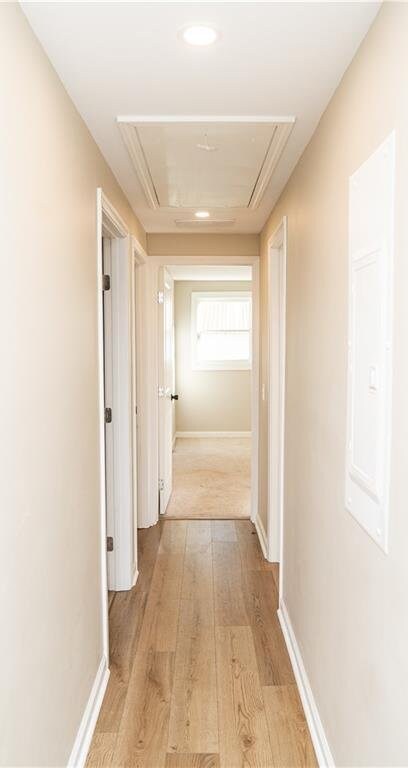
[[117, 412], [205, 391]]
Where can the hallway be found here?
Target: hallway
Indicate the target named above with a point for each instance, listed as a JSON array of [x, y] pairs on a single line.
[[211, 478], [200, 675]]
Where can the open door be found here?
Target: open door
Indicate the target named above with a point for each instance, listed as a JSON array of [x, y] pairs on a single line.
[[108, 389], [166, 386]]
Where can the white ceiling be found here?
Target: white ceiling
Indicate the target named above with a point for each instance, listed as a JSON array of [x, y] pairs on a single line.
[[181, 272], [272, 58]]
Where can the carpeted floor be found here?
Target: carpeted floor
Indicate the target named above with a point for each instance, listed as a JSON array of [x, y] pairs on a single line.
[[211, 478]]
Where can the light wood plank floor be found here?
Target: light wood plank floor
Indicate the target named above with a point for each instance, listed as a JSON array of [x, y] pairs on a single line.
[[200, 676], [211, 478]]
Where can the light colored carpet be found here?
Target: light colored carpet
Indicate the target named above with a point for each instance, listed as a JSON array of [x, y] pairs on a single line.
[[211, 478]]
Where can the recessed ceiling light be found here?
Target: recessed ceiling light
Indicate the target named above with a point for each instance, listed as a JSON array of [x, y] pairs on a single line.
[[199, 35], [201, 214]]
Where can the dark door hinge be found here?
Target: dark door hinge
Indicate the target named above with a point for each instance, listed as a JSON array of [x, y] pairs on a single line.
[[106, 283], [109, 543], [108, 415]]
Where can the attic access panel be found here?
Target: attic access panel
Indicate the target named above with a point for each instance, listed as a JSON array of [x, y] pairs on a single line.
[[225, 163]]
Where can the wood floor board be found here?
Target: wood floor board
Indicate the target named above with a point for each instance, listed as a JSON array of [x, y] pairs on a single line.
[[193, 713], [261, 602], [198, 576], [228, 593], [223, 530], [192, 761], [159, 630], [288, 732], [143, 732], [243, 727], [275, 572], [250, 548], [111, 597], [173, 539], [198, 536], [102, 751]]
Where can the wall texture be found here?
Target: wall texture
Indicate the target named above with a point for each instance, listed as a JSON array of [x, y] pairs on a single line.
[[49, 495], [214, 401], [346, 598], [203, 244]]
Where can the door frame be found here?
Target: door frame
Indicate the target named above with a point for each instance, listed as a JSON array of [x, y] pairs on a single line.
[[138, 262], [110, 224], [152, 367], [277, 258]]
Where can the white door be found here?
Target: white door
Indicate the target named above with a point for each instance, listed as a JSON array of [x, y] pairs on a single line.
[[108, 387], [166, 386], [134, 411]]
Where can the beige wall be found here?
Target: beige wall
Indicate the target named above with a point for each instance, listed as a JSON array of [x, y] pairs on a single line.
[[346, 599], [50, 641], [203, 245], [210, 401]]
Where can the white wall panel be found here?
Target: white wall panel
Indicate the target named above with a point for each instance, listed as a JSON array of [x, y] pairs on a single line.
[[371, 215]]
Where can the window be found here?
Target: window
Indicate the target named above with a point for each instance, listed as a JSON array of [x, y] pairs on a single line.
[[221, 330]]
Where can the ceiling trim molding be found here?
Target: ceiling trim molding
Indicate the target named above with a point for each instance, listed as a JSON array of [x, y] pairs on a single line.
[[136, 119], [276, 147], [137, 156]]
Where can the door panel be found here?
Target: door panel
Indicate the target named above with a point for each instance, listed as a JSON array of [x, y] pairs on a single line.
[[108, 386], [166, 387]]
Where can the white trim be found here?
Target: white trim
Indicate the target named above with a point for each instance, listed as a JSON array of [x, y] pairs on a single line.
[[122, 415], [87, 725], [213, 434], [113, 222], [101, 420], [154, 119], [255, 391], [135, 576], [139, 253], [137, 156], [108, 221], [261, 536], [280, 137], [175, 438], [317, 733], [147, 485], [277, 258]]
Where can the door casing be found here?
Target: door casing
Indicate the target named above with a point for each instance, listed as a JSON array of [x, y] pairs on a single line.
[[124, 482], [277, 246]]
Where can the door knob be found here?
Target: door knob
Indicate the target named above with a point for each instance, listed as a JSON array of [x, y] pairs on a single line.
[[174, 397]]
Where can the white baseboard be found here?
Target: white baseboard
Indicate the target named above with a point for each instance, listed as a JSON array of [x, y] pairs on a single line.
[[135, 576], [320, 743], [261, 536], [83, 738], [213, 434]]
